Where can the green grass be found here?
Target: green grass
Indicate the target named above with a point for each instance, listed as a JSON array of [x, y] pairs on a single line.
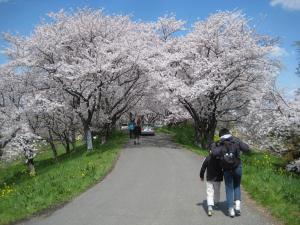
[[55, 182], [264, 178]]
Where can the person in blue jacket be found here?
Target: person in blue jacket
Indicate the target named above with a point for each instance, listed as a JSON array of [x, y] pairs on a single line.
[[131, 127]]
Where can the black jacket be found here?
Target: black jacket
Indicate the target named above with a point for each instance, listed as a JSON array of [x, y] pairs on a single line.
[[213, 169], [235, 146]]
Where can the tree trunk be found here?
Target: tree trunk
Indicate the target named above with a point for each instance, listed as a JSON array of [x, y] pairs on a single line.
[[51, 142], [204, 132], [205, 126], [68, 150], [66, 142], [73, 143], [105, 133], [103, 139], [31, 168], [73, 139], [197, 136], [113, 125], [88, 138], [54, 150]]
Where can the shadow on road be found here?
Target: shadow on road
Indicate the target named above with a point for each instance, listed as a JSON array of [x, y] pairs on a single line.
[[221, 206]]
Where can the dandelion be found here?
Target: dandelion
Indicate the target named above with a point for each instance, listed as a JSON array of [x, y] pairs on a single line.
[[6, 190]]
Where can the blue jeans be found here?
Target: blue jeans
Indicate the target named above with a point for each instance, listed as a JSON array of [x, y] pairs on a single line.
[[233, 185]]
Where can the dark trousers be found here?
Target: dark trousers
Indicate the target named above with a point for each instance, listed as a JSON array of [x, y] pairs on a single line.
[[131, 134]]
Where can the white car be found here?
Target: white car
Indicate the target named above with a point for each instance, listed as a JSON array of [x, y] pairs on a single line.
[[147, 130], [124, 126]]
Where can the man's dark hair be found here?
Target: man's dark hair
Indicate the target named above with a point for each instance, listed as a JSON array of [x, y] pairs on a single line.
[[223, 131]]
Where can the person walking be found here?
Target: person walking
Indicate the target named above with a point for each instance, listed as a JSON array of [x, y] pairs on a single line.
[[137, 131], [214, 177], [228, 150], [131, 127]]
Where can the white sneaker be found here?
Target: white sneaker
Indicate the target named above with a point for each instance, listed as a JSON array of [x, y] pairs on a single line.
[[210, 210], [238, 207], [231, 212]]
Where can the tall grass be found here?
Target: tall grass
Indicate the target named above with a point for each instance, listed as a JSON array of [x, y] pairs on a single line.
[[55, 182], [264, 178]]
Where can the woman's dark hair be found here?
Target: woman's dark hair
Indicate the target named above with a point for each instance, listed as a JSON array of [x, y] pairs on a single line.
[[223, 131]]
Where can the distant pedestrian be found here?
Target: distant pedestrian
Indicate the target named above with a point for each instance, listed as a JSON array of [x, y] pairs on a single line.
[[214, 177], [228, 151], [137, 131], [131, 127]]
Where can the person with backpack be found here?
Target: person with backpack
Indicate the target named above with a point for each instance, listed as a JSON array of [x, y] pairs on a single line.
[[131, 127], [228, 150], [214, 177], [137, 131]]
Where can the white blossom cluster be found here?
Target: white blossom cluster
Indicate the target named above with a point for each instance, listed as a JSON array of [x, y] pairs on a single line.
[[272, 123], [15, 135]]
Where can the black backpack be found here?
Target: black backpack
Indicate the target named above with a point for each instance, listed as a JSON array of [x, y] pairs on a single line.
[[229, 155]]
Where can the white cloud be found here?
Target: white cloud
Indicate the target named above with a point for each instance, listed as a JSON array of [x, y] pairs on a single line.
[[3, 1], [287, 4], [279, 52]]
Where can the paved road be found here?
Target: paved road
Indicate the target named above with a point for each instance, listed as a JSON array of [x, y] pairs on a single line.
[[155, 183]]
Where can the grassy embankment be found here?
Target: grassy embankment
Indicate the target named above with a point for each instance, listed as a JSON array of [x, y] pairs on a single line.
[[264, 178], [55, 182]]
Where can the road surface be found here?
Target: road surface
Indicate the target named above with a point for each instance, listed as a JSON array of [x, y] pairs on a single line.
[[154, 183]]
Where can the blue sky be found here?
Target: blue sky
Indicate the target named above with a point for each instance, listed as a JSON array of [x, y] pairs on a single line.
[[278, 18]]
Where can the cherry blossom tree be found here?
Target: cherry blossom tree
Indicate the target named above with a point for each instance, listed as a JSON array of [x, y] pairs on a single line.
[[53, 121], [168, 26], [216, 69], [273, 123], [93, 57], [15, 135]]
